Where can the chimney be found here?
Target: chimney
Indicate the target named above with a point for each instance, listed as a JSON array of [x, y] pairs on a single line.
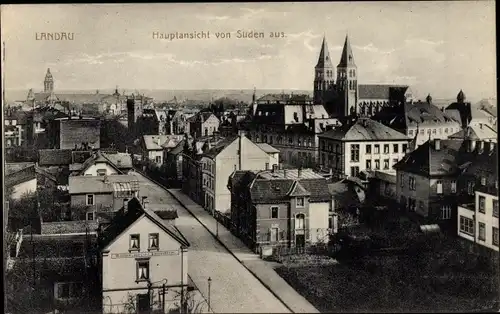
[[471, 145], [267, 166], [143, 201], [241, 133], [125, 203], [275, 167], [491, 146], [105, 179], [299, 173], [145, 204], [481, 146], [437, 144], [280, 166], [285, 173]]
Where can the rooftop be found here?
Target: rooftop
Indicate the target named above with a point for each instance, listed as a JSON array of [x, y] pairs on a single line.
[[289, 174], [267, 148], [102, 184], [364, 130]]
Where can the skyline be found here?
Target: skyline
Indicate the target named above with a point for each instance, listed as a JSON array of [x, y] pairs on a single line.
[[418, 44]]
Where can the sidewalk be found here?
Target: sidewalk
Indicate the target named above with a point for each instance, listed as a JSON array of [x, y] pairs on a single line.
[[262, 270]]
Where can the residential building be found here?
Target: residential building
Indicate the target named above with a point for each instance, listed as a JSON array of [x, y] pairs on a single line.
[[15, 128], [102, 193], [477, 218], [281, 207], [153, 146], [477, 132], [348, 196], [292, 124], [421, 120], [68, 276], [364, 144], [25, 178], [192, 176], [233, 153], [102, 164], [143, 260], [381, 187], [203, 124], [431, 180]]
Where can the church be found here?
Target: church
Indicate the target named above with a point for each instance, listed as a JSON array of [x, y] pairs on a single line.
[[345, 97]]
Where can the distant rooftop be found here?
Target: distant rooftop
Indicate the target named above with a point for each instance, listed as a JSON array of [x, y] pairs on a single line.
[[290, 174]]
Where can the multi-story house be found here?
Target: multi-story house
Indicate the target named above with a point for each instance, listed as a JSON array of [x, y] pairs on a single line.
[[15, 127], [364, 144], [427, 181], [99, 164], [292, 124], [144, 262], [421, 120], [203, 124], [281, 207], [233, 153], [477, 218], [102, 193], [153, 146]]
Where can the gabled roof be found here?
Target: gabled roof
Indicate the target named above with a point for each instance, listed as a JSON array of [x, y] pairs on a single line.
[[220, 146], [298, 190], [120, 160], [344, 194], [381, 91], [428, 161], [97, 157], [267, 148], [101, 184], [158, 142], [476, 132], [20, 176], [125, 219], [364, 130], [54, 157], [13, 167]]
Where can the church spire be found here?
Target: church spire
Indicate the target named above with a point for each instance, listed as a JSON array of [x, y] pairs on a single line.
[[347, 58], [324, 56], [48, 83]]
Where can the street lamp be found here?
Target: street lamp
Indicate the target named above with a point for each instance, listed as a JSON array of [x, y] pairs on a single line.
[[209, 284]]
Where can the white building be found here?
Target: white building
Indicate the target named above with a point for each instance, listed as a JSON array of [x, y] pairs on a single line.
[[363, 145]]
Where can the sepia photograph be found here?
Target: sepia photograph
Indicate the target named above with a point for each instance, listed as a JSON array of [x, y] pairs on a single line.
[[280, 157]]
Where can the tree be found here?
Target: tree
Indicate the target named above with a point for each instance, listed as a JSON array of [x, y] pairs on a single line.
[[191, 304]]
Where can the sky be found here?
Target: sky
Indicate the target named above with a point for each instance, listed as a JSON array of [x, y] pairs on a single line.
[[435, 47]]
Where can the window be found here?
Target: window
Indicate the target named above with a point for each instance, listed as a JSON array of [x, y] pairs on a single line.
[[428, 131], [482, 204], [299, 221], [158, 159], [377, 164], [446, 212], [412, 184], [63, 290], [412, 204], [377, 149], [368, 148], [142, 270], [90, 199], [101, 172], [135, 243], [466, 225], [395, 148], [446, 130], [439, 187], [495, 236], [386, 148], [422, 131], [154, 240], [453, 186], [300, 202], [495, 208], [386, 163], [470, 187], [355, 153], [405, 147], [394, 161], [274, 211], [410, 133], [368, 164], [483, 181], [482, 232], [354, 171], [433, 131], [402, 180], [90, 216]]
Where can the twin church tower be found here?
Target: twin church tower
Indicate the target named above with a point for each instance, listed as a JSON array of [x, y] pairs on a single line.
[[340, 98]]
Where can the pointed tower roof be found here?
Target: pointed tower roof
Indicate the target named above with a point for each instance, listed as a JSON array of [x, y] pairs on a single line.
[[429, 99], [460, 97], [347, 58], [48, 76], [324, 56]]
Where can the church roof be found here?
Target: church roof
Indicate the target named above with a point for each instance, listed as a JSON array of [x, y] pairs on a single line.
[[324, 56], [380, 91], [347, 57]]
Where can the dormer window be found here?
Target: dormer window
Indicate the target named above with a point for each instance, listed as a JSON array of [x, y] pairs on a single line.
[[134, 242]]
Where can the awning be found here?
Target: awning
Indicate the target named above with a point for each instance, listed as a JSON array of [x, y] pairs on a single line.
[[430, 228], [122, 189]]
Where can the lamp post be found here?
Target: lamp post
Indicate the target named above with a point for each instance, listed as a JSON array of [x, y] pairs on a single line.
[[209, 284]]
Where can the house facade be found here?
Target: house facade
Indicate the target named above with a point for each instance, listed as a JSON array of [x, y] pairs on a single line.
[[233, 153], [281, 207], [203, 124], [153, 146], [363, 145], [144, 262]]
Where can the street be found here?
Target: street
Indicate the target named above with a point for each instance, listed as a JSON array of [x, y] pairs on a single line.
[[233, 288]]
